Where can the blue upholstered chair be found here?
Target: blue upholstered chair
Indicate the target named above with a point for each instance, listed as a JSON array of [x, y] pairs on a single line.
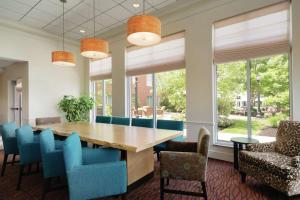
[[9, 140], [168, 125], [147, 123], [29, 149], [93, 173], [103, 119], [120, 121], [52, 158]]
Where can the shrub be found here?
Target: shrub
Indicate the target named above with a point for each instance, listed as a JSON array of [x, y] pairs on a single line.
[[225, 106], [274, 121], [224, 122]]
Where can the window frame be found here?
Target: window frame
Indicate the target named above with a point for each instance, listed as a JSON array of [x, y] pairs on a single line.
[[248, 82]]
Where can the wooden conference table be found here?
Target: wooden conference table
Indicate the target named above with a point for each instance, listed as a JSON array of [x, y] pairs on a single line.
[[136, 143]]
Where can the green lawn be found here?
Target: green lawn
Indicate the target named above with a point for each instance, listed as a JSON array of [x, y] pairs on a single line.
[[240, 126]]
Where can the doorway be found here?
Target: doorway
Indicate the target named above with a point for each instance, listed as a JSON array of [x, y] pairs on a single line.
[[16, 101]]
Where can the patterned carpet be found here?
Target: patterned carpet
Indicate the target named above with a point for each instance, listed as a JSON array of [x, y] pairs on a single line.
[[223, 184]]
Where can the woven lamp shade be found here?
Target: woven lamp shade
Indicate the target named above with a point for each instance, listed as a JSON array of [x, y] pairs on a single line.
[[143, 30], [94, 48], [63, 58]]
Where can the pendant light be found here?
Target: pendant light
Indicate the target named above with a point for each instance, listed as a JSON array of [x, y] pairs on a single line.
[[93, 47], [63, 58], [143, 30]]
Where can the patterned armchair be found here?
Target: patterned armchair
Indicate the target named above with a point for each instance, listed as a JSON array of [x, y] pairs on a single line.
[[277, 163], [185, 161]]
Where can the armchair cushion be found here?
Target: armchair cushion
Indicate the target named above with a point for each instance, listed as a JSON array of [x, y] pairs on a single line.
[[272, 162], [261, 147], [183, 165], [288, 138]]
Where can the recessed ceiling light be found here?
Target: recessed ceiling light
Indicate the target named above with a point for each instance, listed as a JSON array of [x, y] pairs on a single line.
[[82, 31], [136, 5]]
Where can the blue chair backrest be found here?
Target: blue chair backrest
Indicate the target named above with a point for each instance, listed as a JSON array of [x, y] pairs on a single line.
[[24, 135], [9, 130], [47, 141], [120, 120], [103, 119], [147, 123], [72, 152], [170, 125]]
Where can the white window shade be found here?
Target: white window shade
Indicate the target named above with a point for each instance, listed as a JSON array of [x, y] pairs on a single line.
[[166, 56], [255, 34], [101, 69]]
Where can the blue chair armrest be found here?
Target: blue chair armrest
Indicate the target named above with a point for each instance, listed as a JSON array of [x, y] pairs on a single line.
[[97, 180], [59, 144], [100, 155], [30, 153], [53, 164]]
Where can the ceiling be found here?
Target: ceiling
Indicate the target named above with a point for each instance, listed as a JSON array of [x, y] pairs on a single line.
[[47, 14]]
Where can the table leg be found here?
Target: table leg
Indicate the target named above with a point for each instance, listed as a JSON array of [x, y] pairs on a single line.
[[139, 164], [236, 155]]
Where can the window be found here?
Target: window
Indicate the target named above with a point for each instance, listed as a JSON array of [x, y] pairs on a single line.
[[157, 79], [251, 55], [101, 86]]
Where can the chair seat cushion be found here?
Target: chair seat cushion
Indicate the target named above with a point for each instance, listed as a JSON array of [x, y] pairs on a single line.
[[273, 162]]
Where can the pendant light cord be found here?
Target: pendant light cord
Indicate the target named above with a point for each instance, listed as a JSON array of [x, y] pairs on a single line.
[[94, 18], [63, 26]]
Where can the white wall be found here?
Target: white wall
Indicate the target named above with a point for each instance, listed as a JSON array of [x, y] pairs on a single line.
[[47, 83], [197, 21]]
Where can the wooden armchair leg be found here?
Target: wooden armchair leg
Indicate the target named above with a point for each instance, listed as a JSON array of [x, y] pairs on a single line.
[[4, 164], [243, 177], [203, 184], [20, 177], [13, 160], [162, 182]]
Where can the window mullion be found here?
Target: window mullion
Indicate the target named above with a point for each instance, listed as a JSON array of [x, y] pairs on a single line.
[[249, 125], [154, 95], [103, 98]]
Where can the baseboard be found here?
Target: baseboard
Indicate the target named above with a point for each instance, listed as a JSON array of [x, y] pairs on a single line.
[[220, 155]]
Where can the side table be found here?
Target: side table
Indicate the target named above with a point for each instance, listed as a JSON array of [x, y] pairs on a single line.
[[239, 143]]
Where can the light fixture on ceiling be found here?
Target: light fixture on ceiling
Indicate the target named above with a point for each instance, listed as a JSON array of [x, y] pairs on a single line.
[[82, 31], [63, 58], [93, 47], [136, 5], [143, 30]]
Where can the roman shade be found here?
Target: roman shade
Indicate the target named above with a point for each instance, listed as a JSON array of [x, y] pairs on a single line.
[[100, 69], [258, 33], [166, 56]]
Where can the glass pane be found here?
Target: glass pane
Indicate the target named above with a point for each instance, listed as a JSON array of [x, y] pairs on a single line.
[[269, 95], [98, 97], [108, 97], [171, 95], [232, 100], [142, 96]]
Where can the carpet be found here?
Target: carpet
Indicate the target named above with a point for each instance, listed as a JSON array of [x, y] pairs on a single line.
[[223, 183]]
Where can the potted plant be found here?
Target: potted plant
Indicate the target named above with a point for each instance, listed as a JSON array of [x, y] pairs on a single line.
[[76, 109]]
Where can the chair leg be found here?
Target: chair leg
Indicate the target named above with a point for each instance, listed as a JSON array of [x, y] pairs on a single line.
[[168, 181], [20, 177], [47, 184], [4, 164], [13, 160], [162, 182], [37, 167], [29, 168], [203, 184], [243, 177], [158, 157]]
